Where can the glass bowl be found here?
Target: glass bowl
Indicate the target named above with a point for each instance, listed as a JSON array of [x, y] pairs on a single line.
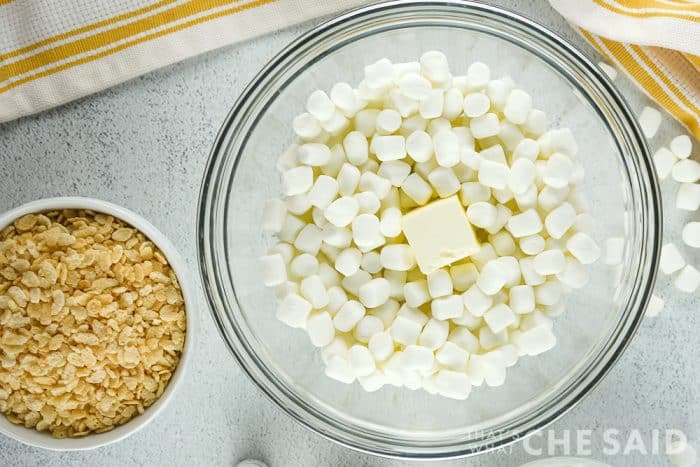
[[600, 319]]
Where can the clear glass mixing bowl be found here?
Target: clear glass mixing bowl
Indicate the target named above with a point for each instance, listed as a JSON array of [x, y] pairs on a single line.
[[600, 319]]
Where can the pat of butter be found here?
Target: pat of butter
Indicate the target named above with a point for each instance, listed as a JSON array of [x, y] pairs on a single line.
[[439, 234]]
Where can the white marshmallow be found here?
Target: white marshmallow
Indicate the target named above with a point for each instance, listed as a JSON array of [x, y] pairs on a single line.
[[297, 180], [530, 276], [485, 125], [481, 214], [498, 91], [291, 228], [390, 222], [650, 121], [549, 262], [338, 237], [432, 105], [419, 145], [656, 306], [298, 204], [338, 368], [536, 122], [446, 146], [314, 154], [342, 211], [532, 244], [476, 104], [394, 171], [452, 356], [304, 265], [367, 327], [522, 175], [434, 334], [490, 340], [439, 283], [522, 299], [323, 191], [388, 148], [366, 121], [379, 74], [475, 301], [356, 147], [686, 171], [336, 299], [558, 170], [345, 99], [306, 126], [417, 358], [273, 270], [499, 317], [273, 215], [452, 104], [414, 86], [478, 75], [524, 224], [417, 189], [494, 153], [548, 293], [671, 259], [526, 149], [309, 239], [452, 384], [371, 262], [664, 160], [388, 121], [405, 331], [348, 179], [369, 181], [535, 341], [473, 192], [510, 135], [681, 146], [470, 158], [361, 361], [492, 278], [348, 261], [688, 197], [559, 220], [349, 314], [320, 105], [374, 293], [381, 345], [434, 66], [448, 307], [688, 280], [366, 232], [293, 311], [463, 276], [444, 181], [320, 329], [493, 174], [549, 198], [574, 274], [518, 106], [691, 234], [502, 243], [313, 290], [416, 293], [397, 257]]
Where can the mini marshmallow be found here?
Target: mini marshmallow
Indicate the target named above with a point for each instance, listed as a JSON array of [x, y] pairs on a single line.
[[688, 280], [374, 293], [293, 311], [379, 74], [574, 274], [452, 384], [526, 149], [388, 121], [320, 328], [532, 244], [397, 257], [417, 358], [314, 154], [476, 301], [524, 224], [686, 171], [522, 299], [502, 196], [414, 86], [405, 331], [549, 262], [452, 356], [417, 189], [371, 262], [536, 122], [298, 204], [381, 345], [558, 170], [492, 278], [369, 181], [559, 220], [339, 237], [463, 276], [481, 214], [320, 105], [390, 222], [681, 146], [368, 202], [530, 276], [476, 104], [323, 191], [498, 91], [309, 239], [367, 327], [691, 234], [511, 269], [366, 232], [688, 197], [649, 121], [493, 174], [349, 314], [485, 125], [338, 368], [490, 340], [535, 341], [336, 298], [499, 317], [448, 307], [433, 65], [419, 145], [510, 135], [394, 171], [432, 105], [583, 248], [434, 334], [671, 259], [444, 181], [348, 261], [306, 126], [361, 361], [518, 106], [297, 180], [304, 265], [273, 215], [446, 146], [345, 99], [656, 306], [386, 312], [527, 200], [353, 282], [290, 229], [273, 270], [416, 293], [478, 75], [664, 160], [549, 198], [494, 153], [313, 290], [470, 158], [342, 211], [522, 175], [439, 283], [473, 192], [452, 105], [548, 293], [356, 147], [366, 121]]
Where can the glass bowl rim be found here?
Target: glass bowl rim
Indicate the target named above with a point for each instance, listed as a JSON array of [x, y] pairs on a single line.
[[254, 366]]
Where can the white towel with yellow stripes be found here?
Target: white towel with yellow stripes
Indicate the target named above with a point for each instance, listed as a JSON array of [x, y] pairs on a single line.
[[54, 51], [655, 42]]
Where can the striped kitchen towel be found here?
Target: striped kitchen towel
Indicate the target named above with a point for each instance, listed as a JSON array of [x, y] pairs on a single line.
[[655, 42], [53, 51]]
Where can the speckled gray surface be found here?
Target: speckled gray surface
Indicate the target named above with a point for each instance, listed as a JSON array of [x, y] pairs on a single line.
[[144, 144]]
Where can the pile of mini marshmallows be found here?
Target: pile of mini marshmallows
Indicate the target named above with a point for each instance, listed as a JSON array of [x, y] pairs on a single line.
[[411, 134]]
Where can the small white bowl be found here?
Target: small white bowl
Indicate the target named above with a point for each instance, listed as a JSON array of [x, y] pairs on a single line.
[[44, 440]]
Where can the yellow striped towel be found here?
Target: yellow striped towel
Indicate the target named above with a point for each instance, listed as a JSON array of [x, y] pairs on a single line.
[[655, 42], [52, 51]]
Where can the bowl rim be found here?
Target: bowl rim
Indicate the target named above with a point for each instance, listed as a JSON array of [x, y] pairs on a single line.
[[30, 436], [313, 418]]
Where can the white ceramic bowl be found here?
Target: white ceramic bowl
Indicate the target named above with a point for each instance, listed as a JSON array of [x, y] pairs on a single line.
[[45, 440]]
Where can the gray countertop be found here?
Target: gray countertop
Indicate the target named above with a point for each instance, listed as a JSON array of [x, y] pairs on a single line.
[[144, 145]]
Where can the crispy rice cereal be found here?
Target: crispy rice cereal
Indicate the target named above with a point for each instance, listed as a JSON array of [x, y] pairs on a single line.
[[92, 322]]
